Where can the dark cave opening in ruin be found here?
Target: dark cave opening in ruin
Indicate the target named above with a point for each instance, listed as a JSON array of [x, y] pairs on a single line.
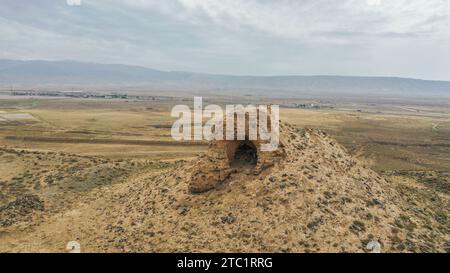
[[245, 155]]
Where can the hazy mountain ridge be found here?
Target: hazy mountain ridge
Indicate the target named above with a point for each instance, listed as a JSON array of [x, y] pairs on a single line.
[[71, 72]]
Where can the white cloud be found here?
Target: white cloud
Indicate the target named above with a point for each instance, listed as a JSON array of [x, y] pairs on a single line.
[[350, 37], [73, 2], [302, 18]]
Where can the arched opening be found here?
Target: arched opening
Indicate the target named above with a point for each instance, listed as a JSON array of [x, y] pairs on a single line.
[[245, 155]]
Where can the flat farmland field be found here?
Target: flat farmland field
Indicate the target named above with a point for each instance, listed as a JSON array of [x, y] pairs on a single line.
[[392, 140]]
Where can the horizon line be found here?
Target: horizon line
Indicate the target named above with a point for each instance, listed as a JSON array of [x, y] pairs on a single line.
[[224, 74]]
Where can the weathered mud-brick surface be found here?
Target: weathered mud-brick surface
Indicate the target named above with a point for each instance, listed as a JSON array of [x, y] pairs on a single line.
[[227, 156]]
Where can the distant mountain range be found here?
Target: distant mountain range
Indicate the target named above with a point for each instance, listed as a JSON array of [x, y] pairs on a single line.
[[13, 72]]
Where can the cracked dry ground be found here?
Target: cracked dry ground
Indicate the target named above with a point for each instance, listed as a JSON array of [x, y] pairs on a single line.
[[318, 199]]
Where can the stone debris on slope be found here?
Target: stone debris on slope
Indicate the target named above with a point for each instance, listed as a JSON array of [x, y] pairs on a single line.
[[316, 198], [20, 209]]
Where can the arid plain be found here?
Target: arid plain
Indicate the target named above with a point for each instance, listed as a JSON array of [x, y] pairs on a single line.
[[60, 156]]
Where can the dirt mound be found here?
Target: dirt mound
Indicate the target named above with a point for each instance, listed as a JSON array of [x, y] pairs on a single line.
[[312, 197], [315, 198]]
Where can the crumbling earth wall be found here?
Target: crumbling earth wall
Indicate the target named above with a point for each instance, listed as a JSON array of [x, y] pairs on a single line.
[[214, 167]]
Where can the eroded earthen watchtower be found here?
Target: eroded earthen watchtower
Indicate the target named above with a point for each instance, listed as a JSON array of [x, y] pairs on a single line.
[[227, 156]]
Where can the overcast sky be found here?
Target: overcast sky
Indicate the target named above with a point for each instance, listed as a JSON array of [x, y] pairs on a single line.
[[407, 38]]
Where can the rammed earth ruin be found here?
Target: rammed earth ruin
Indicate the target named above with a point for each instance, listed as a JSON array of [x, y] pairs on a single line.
[[239, 154], [239, 123]]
